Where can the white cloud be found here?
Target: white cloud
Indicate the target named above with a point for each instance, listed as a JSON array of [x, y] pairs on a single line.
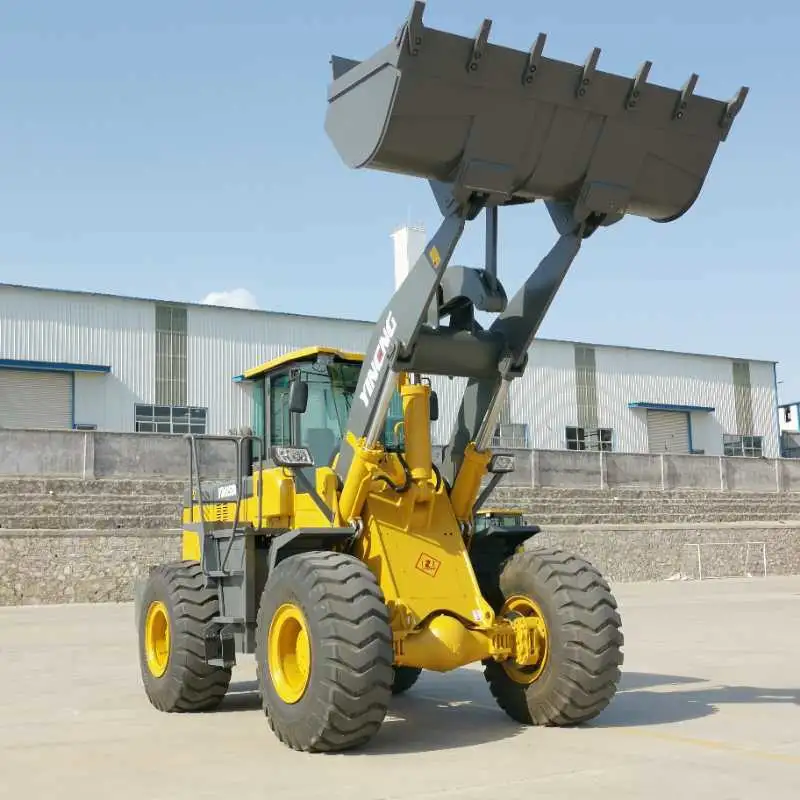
[[237, 298]]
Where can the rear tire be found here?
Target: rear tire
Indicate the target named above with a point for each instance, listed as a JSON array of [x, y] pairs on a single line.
[[176, 606], [405, 678], [581, 668], [324, 652]]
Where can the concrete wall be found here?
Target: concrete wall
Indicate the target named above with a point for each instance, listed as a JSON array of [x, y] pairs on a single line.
[[94, 454], [90, 454]]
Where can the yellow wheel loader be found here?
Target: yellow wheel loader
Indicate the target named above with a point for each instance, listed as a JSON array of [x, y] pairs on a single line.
[[339, 553]]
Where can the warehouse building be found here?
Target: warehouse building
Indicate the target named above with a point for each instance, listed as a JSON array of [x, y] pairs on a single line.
[[98, 362], [89, 361]]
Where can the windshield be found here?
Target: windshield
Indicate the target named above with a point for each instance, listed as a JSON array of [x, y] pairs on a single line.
[[331, 389], [343, 381]]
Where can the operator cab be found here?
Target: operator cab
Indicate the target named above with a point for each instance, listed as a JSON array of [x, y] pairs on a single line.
[[303, 399]]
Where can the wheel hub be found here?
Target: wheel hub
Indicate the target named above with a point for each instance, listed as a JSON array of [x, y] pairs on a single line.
[[157, 638], [289, 653], [532, 641]]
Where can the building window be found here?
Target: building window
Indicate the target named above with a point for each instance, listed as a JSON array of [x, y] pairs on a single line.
[[589, 438], [170, 364], [169, 419], [748, 446], [513, 435]]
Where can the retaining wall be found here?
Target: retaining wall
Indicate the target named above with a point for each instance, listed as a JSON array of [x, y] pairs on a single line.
[[49, 566], [83, 514], [89, 454]]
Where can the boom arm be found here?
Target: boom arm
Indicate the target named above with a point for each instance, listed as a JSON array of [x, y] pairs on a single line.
[[396, 334], [408, 336], [517, 326]]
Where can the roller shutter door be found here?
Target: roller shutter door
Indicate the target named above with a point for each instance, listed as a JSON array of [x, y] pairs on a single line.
[[667, 432], [31, 399]]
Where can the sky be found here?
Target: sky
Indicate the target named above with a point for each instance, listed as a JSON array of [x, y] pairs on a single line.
[[177, 150]]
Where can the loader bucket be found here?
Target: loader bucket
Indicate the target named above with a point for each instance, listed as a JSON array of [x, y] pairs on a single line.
[[520, 126]]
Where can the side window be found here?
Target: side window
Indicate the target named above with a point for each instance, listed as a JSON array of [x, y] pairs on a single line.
[[280, 430]]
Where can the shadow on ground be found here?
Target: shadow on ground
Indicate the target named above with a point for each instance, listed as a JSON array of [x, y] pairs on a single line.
[[443, 712], [653, 699], [438, 713]]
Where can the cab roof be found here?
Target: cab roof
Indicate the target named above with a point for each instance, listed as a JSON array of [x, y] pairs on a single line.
[[500, 511], [302, 354]]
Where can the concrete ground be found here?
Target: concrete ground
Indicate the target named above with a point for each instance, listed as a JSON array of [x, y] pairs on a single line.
[[709, 708]]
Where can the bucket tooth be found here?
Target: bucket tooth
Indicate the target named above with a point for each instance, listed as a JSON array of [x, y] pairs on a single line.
[[686, 93], [589, 69], [524, 127], [534, 59], [639, 80], [479, 46], [412, 33], [731, 110]]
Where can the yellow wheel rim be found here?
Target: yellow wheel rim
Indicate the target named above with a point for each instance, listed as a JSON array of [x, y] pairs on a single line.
[[289, 653], [519, 605], [156, 638]]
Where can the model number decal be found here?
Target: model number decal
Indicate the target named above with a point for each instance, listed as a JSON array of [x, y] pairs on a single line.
[[378, 359]]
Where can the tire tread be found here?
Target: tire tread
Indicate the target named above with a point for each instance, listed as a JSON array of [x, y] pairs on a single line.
[[351, 695], [191, 684], [588, 626]]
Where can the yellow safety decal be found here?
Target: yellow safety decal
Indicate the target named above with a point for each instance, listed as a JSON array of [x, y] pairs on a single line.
[[436, 259], [428, 564]]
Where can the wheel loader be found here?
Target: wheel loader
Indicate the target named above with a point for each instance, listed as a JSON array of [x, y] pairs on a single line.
[[339, 553]]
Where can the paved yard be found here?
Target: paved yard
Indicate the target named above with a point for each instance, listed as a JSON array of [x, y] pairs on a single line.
[[710, 708]]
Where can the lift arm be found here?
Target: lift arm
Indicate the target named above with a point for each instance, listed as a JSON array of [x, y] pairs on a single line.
[[396, 333]]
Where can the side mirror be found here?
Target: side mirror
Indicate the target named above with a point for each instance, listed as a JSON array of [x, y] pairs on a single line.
[[298, 396], [434, 405]]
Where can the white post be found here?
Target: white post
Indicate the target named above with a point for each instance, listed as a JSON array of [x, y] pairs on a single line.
[[85, 448], [603, 480], [663, 473]]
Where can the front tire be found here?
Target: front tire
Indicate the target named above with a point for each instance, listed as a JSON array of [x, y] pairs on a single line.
[[176, 606], [324, 652], [580, 671]]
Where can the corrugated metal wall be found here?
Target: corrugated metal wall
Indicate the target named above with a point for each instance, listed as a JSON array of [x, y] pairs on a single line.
[[224, 342], [545, 397], [565, 385], [55, 326]]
